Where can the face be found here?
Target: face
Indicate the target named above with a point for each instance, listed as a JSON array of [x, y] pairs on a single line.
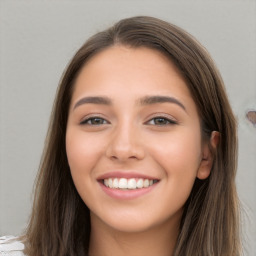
[[133, 139]]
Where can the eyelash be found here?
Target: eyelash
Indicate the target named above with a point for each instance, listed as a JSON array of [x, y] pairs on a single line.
[[89, 121], [165, 121]]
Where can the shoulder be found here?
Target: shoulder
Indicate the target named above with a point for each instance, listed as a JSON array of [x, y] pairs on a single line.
[[11, 246]]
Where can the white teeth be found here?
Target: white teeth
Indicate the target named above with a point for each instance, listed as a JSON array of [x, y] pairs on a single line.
[[132, 183], [106, 182], [115, 183], [110, 183], [122, 183], [146, 183], [140, 183]]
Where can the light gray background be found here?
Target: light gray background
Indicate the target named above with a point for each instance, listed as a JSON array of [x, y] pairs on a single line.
[[38, 38]]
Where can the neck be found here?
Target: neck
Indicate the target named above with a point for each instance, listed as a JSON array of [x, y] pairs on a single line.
[[160, 240]]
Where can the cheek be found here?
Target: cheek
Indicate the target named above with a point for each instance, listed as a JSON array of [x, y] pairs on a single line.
[[82, 152], [181, 149], [179, 156]]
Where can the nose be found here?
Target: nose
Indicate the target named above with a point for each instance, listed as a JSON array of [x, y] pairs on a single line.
[[125, 144]]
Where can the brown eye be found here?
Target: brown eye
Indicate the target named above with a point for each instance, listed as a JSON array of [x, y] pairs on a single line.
[[94, 121], [161, 121]]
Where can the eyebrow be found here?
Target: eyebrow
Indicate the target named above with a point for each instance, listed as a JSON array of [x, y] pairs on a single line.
[[147, 100], [93, 100]]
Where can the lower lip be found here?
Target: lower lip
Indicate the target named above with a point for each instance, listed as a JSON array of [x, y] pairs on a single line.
[[127, 194]]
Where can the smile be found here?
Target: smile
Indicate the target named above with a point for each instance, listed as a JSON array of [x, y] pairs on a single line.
[[126, 184]]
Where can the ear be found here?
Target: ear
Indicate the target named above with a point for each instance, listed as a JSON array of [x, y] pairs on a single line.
[[208, 156]]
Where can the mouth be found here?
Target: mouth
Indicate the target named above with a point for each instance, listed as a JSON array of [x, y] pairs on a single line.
[[128, 184]]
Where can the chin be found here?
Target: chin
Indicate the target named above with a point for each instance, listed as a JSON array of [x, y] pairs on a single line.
[[136, 223], [131, 226]]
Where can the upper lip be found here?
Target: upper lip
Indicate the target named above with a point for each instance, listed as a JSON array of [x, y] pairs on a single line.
[[126, 175]]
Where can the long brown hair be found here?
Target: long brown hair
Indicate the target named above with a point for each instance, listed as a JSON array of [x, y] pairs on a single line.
[[60, 222]]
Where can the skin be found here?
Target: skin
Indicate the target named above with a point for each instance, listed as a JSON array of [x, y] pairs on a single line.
[[134, 136]]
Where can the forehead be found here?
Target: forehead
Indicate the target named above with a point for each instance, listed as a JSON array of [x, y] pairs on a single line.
[[143, 58], [121, 71]]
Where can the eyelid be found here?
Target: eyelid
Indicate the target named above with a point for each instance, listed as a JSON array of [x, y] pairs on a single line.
[[169, 118], [92, 116]]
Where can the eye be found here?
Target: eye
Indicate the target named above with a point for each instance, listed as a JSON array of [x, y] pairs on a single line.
[[161, 121], [94, 121]]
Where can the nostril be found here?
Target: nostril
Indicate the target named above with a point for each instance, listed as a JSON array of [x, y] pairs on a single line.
[[251, 116]]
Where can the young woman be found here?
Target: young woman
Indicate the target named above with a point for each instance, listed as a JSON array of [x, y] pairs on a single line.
[[140, 157]]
